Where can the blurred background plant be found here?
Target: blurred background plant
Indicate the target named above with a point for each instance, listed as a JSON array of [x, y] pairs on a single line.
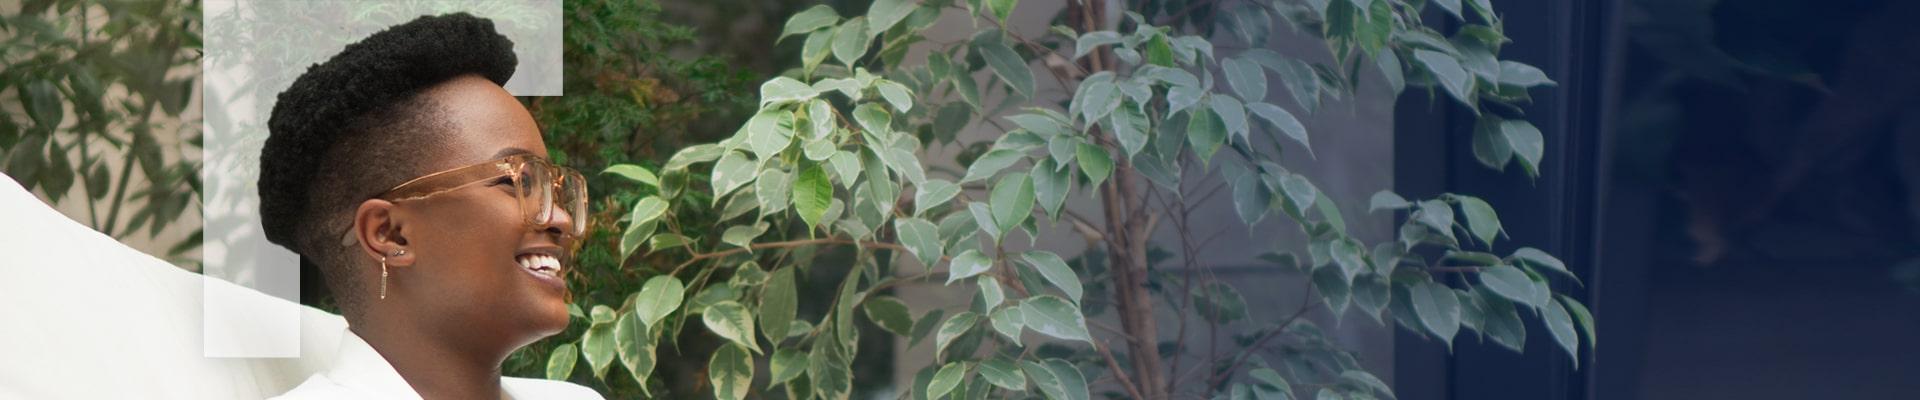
[[811, 193], [101, 115], [640, 88]]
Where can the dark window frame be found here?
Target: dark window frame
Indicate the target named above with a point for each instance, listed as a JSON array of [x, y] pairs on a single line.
[[1576, 42]]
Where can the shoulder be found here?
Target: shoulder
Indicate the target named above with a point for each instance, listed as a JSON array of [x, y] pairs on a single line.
[[529, 388]]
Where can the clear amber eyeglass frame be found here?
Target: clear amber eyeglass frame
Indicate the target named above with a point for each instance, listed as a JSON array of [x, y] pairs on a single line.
[[540, 189]]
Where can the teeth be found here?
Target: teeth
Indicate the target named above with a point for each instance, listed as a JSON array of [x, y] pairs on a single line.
[[540, 263]]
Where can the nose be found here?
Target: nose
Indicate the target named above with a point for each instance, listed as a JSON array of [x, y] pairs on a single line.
[[560, 222]]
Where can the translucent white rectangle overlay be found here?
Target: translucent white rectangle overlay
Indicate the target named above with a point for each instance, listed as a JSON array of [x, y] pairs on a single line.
[[254, 50]]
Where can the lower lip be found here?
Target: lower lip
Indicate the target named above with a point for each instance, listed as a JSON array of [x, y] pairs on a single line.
[[551, 281]]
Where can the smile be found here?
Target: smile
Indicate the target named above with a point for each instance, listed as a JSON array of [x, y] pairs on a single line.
[[543, 267]]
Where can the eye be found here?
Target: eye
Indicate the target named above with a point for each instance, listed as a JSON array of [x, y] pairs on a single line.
[[503, 180]]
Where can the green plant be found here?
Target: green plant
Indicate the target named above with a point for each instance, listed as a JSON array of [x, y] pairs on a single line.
[[117, 78], [627, 96], [827, 162]]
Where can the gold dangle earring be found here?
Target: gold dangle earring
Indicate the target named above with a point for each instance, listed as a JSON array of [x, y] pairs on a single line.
[[383, 272]]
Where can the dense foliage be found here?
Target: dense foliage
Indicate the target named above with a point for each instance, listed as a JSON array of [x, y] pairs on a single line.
[[834, 158], [627, 95]]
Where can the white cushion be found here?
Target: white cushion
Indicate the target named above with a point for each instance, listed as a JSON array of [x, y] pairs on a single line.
[[85, 317]]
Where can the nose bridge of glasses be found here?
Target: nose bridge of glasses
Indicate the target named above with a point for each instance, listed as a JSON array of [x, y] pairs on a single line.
[[561, 195]]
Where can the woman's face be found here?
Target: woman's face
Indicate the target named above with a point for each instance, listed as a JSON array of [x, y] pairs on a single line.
[[467, 246]]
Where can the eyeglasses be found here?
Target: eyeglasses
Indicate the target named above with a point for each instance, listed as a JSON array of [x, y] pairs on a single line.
[[539, 187]]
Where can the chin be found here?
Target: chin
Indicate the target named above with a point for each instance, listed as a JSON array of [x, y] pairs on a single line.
[[550, 316]]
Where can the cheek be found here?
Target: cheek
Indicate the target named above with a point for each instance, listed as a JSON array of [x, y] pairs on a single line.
[[479, 228], [488, 212]]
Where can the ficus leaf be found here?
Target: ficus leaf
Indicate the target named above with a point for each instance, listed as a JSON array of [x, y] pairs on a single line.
[[1438, 308], [890, 314], [1283, 121], [958, 325], [1095, 162], [596, 345], [731, 372], [1009, 322], [948, 378], [966, 265], [813, 18], [1130, 127], [1481, 219], [1091, 40], [1006, 63], [885, 13], [1205, 133], [850, 41], [786, 364], [658, 297], [733, 171], [1056, 317], [634, 344], [1457, 82], [1055, 270], [634, 173], [1050, 186], [1003, 373], [779, 302], [560, 363], [812, 194], [921, 238], [1246, 78], [731, 321], [1510, 282], [1011, 201], [1560, 324], [933, 193]]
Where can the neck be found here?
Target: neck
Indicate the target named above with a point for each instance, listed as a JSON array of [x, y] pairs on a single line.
[[436, 365]]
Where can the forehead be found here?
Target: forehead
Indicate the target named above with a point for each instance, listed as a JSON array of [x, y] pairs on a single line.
[[485, 121]]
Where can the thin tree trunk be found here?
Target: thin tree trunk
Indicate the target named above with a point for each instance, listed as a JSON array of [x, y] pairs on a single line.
[[1127, 258], [1129, 229]]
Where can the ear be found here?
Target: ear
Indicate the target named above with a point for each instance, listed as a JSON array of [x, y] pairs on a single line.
[[379, 226]]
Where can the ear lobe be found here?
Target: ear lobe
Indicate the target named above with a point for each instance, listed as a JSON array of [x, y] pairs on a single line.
[[377, 226]]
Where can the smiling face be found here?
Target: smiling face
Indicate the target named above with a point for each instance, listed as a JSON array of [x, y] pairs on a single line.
[[473, 265]]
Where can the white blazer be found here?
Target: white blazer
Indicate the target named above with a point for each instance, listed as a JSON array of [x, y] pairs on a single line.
[[85, 317], [359, 372]]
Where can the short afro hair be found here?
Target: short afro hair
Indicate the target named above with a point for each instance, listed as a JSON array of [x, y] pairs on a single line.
[[333, 131]]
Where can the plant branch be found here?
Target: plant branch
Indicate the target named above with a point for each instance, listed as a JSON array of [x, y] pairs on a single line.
[[782, 245], [1120, 374], [1208, 195], [1086, 228], [1190, 265], [1222, 376]]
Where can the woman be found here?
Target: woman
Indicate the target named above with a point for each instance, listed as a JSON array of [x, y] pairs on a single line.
[[419, 189]]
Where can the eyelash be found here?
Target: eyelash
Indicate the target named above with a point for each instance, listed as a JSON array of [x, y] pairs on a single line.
[[504, 180]]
